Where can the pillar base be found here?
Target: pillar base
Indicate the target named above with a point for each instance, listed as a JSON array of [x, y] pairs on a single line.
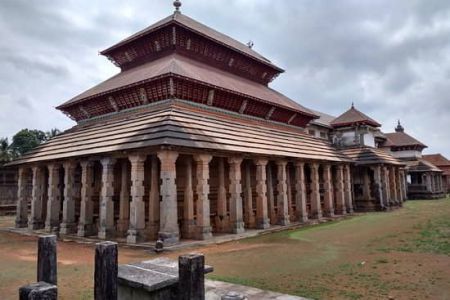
[[238, 227], [250, 222], [203, 232], [341, 211], [106, 233], [222, 224], [283, 221], [152, 230], [122, 227], [21, 223], [169, 238], [52, 227], [35, 225], [135, 236], [302, 218], [329, 214], [263, 224], [317, 215], [188, 230], [68, 228], [86, 230]]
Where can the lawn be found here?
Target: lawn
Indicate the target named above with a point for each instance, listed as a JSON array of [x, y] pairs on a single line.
[[402, 254]]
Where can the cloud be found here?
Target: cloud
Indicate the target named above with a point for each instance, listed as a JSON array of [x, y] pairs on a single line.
[[392, 58]]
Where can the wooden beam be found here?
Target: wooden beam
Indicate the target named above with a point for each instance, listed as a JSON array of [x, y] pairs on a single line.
[[210, 97], [270, 113], [243, 106], [113, 103], [171, 87], [85, 112], [292, 118], [174, 36]]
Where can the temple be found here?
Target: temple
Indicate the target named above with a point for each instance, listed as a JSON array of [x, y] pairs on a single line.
[[189, 141]]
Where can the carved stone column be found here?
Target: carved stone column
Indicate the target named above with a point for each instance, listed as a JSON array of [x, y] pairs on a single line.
[[106, 226], [378, 186], [124, 209], [262, 219], [341, 208], [36, 220], [204, 230], [399, 186], [85, 225], [270, 196], [405, 185], [282, 199], [153, 201], [328, 186], [68, 224], [235, 190], [137, 206], [189, 227], [54, 199], [316, 209], [289, 193], [366, 185], [393, 183], [348, 189], [169, 231], [249, 217], [22, 199], [300, 192], [386, 186], [222, 220]]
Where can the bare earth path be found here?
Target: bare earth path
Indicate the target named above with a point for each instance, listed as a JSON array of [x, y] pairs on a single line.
[[403, 254]]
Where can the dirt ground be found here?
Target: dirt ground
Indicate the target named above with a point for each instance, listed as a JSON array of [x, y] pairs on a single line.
[[402, 254]]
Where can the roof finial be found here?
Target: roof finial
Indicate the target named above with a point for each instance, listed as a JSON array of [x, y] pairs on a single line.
[[250, 44], [399, 127], [353, 104], [177, 4]]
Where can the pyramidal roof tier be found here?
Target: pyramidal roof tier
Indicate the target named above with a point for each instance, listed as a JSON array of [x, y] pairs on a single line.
[[353, 117]]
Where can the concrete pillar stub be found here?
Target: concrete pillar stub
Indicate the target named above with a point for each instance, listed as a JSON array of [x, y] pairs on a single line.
[[137, 206], [222, 219], [262, 218], [22, 199], [316, 210], [36, 220], [282, 198], [68, 225], [189, 227], [341, 207], [154, 200], [85, 224], [300, 192], [348, 189], [106, 226], [329, 192], [204, 230], [54, 198], [235, 190], [169, 231]]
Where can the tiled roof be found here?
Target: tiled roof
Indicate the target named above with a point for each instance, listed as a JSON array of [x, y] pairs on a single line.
[[182, 66], [421, 165], [180, 123], [201, 29], [370, 156], [323, 120], [353, 116], [399, 139], [436, 159]]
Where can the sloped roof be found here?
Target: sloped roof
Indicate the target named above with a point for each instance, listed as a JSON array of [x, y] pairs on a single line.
[[370, 156], [180, 123], [323, 120], [192, 69], [193, 25], [436, 159], [421, 165], [399, 139], [353, 116]]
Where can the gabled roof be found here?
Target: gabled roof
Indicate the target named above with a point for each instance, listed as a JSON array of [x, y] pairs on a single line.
[[182, 66], [353, 117], [197, 27], [182, 124], [436, 159], [401, 139], [371, 156]]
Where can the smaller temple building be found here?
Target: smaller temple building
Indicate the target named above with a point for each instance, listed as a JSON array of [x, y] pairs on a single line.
[[443, 164]]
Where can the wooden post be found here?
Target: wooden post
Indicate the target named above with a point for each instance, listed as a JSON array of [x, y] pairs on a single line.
[[106, 270], [191, 273], [47, 261], [38, 291]]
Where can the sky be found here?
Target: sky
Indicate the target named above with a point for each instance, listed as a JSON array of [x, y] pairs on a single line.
[[391, 58]]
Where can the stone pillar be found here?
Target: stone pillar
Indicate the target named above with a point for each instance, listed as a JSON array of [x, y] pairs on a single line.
[[54, 199], [428, 182], [366, 185], [328, 186], [68, 224], [316, 209], [378, 186], [36, 220], [300, 193], [249, 217], [22, 199], [222, 215], [153, 201], [262, 218], [405, 185], [204, 230], [386, 186], [124, 208], [393, 183], [270, 196], [137, 206], [106, 226], [188, 229], [282, 199], [289, 192], [341, 208], [235, 190], [86, 222], [399, 186], [348, 189], [169, 231]]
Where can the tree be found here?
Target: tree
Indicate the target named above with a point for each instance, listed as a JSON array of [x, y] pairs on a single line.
[[26, 140], [52, 133], [5, 152]]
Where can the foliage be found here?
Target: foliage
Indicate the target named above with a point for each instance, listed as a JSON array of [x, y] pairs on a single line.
[[5, 152]]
